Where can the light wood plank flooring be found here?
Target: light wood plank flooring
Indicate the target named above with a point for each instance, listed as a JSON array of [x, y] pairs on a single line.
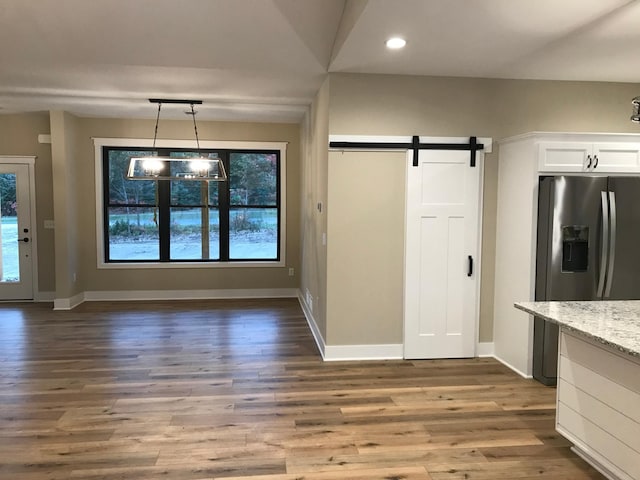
[[236, 389]]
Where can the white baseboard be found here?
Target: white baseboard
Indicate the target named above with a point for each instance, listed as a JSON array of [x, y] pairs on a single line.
[[68, 303], [507, 364], [132, 295], [313, 326], [604, 470], [141, 295], [486, 349], [334, 353]]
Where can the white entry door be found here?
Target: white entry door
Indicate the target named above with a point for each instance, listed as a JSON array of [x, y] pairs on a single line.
[[442, 255], [16, 267]]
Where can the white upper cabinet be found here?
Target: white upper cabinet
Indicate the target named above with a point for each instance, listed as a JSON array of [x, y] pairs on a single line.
[[564, 156], [600, 157], [616, 157]]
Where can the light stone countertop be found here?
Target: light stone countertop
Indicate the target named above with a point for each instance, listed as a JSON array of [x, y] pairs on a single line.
[[613, 323]]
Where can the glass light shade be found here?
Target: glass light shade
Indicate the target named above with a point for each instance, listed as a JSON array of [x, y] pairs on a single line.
[[200, 169]]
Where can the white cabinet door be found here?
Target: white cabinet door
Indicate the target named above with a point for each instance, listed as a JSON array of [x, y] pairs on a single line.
[[442, 231], [616, 157], [570, 157], [565, 156]]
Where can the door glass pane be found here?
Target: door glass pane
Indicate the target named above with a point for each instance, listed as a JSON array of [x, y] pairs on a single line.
[[133, 234], [253, 233], [9, 257]]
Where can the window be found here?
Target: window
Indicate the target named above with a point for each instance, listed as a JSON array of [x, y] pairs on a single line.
[[163, 222]]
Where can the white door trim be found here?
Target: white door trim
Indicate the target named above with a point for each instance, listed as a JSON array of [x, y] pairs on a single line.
[[30, 161]]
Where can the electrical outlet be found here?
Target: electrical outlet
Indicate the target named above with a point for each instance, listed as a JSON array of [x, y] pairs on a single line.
[[309, 299], [291, 272]]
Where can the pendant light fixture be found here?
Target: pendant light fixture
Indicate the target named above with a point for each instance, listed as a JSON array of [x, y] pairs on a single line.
[[201, 168], [636, 110]]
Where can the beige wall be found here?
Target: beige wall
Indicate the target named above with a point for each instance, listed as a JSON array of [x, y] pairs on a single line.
[[65, 183], [67, 198], [19, 136], [365, 248], [94, 279], [314, 220], [434, 106]]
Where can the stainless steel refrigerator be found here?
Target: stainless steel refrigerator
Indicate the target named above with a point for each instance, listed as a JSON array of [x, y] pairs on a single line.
[[588, 248]]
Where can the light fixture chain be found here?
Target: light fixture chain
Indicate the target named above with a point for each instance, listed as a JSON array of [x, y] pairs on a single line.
[[155, 133], [195, 127]]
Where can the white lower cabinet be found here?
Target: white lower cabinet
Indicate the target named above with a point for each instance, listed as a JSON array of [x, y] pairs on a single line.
[[598, 407]]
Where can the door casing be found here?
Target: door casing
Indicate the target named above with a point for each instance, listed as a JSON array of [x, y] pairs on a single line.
[[29, 162]]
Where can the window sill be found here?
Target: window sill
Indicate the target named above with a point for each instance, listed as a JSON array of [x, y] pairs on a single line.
[[187, 265]]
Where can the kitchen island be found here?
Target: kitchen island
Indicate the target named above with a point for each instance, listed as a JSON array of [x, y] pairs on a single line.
[[598, 397]]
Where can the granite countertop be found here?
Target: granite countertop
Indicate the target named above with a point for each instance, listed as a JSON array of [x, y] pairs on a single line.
[[613, 323]]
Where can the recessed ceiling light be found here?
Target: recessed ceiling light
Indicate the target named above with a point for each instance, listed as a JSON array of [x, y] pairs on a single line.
[[395, 43]]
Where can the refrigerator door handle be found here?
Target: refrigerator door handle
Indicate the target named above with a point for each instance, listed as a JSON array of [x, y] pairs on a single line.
[[612, 243], [605, 244]]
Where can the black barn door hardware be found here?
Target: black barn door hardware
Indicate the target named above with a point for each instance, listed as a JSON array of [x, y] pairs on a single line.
[[473, 146]]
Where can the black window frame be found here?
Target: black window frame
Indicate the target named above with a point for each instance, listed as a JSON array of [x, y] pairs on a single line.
[[164, 206]]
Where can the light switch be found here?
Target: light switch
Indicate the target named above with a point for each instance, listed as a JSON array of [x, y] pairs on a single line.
[[49, 224]]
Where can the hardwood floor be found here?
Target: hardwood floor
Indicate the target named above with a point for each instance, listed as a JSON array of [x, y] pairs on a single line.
[[236, 389]]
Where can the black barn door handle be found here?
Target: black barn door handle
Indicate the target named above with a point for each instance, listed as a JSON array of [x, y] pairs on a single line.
[[470, 271]]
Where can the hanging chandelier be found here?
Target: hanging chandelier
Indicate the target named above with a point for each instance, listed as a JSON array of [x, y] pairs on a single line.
[[636, 110], [200, 168]]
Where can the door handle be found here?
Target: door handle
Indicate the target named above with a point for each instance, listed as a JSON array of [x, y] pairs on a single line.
[[612, 243], [588, 162], [25, 239], [470, 269], [595, 165], [605, 244]]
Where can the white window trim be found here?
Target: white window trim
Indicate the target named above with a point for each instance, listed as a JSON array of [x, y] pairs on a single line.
[[98, 143]]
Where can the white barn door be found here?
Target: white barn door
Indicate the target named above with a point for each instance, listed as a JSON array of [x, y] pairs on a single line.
[[442, 247]]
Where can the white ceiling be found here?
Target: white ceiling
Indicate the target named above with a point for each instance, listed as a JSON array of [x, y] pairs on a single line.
[[264, 60]]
